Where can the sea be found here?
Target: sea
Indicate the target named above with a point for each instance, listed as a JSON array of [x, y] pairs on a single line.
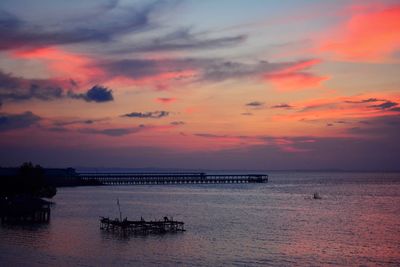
[[355, 223]]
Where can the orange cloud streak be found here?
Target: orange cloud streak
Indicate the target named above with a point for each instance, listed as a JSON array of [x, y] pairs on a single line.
[[165, 100], [62, 63], [294, 78], [369, 35], [340, 108]]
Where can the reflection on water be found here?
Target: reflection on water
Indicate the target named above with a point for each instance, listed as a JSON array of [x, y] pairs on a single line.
[[357, 222]]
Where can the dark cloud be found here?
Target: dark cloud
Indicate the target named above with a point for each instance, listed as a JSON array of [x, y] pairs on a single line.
[[9, 22], [184, 39], [247, 114], [209, 135], [88, 121], [97, 94], [283, 106], [46, 93], [152, 114], [85, 26], [319, 107], [255, 104], [144, 68], [73, 83], [218, 136], [206, 69], [222, 70], [17, 121], [177, 123], [18, 33], [13, 88], [71, 122], [385, 105], [369, 100], [132, 68], [112, 131]]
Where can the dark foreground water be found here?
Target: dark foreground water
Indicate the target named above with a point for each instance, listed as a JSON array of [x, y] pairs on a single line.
[[356, 223]]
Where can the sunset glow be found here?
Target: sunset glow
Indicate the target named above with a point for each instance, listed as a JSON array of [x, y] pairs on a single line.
[[174, 84]]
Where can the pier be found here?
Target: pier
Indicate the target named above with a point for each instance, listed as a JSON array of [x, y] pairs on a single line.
[[143, 227], [171, 178]]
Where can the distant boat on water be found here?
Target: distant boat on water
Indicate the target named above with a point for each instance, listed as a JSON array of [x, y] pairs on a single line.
[[316, 196]]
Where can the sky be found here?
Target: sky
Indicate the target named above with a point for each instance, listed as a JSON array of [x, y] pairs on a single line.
[[227, 84]]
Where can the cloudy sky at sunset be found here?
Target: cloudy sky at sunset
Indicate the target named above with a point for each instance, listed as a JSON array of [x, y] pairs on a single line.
[[225, 84]]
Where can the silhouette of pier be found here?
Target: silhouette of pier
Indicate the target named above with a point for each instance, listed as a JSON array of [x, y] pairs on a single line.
[[171, 178]]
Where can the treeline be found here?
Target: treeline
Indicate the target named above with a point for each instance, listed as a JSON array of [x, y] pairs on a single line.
[[29, 181]]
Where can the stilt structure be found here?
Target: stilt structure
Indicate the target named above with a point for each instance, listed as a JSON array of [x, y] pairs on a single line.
[[24, 210], [142, 227]]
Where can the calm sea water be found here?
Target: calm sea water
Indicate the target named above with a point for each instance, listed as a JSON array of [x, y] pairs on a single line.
[[357, 222]]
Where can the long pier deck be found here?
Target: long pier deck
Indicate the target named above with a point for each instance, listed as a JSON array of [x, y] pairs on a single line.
[[171, 178]]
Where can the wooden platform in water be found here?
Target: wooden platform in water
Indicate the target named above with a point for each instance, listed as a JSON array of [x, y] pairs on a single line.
[[126, 226], [24, 210], [171, 178]]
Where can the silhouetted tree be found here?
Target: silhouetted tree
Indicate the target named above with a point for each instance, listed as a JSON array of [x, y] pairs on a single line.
[[29, 181]]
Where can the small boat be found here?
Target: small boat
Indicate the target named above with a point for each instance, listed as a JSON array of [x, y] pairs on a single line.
[[316, 196]]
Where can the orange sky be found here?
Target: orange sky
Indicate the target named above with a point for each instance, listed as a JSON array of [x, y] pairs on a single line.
[[136, 83]]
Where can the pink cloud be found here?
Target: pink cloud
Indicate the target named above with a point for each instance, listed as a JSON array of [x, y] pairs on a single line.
[[370, 34], [295, 78], [62, 63], [85, 70]]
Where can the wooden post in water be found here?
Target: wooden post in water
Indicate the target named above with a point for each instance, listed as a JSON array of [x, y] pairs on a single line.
[[119, 209]]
